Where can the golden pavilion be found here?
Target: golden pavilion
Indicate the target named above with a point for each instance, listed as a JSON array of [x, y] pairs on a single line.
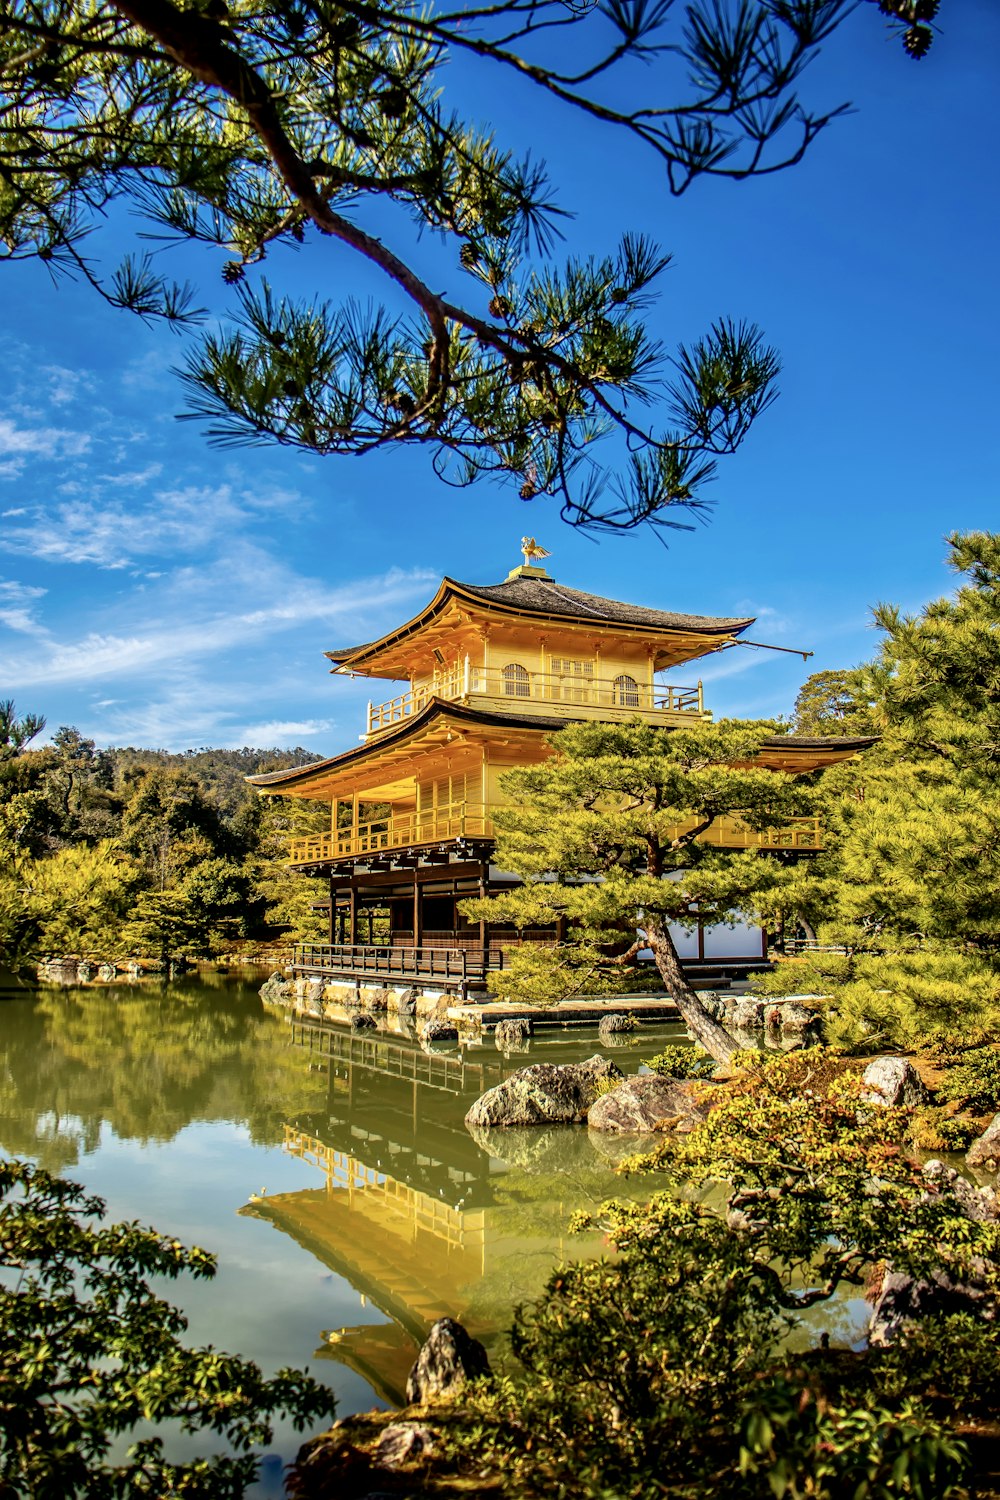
[[488, 672]]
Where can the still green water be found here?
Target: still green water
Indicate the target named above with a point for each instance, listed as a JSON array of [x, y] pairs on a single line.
[[331, 1174]]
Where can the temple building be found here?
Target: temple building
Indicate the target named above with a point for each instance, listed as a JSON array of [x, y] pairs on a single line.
[[491, 672]]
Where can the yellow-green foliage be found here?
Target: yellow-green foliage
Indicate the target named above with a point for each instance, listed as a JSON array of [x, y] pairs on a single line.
[[678, 1061], [973, 1080], [913, 997]]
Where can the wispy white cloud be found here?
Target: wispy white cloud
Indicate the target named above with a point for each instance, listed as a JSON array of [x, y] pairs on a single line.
[[19, 443], [66, 386], [174, 634], [17, 607], [281, 732]]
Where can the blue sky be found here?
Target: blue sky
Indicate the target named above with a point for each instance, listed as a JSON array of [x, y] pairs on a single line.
[[154, 591]]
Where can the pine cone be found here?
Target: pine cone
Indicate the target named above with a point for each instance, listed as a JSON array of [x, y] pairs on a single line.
[[917, 40], [499, 307], [393, 103], [527, 490], [469, 255], [232, 272]]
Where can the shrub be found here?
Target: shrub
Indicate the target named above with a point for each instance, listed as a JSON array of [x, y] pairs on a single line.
[[974, 1080], [679, 1061]]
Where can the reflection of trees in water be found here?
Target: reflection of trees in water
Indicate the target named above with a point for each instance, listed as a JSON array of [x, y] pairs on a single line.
[[145, 1061]]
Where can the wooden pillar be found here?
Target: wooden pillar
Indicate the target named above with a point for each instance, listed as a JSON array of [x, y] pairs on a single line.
[[354, 910], [484, 926], [333, 913], [418, 933]]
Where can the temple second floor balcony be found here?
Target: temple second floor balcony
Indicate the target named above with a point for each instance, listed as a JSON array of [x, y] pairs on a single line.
[[403, 830], [472, 820], [518, 689]]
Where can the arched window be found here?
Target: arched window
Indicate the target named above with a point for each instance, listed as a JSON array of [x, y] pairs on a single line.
[[516, 682], [625, 692]]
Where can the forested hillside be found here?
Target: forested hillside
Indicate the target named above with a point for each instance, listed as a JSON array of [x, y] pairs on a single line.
[[110, 852]]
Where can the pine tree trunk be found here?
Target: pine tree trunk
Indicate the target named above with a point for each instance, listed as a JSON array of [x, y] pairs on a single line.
[[714, 1038]]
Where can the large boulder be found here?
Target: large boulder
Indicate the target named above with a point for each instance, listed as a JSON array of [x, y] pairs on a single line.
[[893, 1081], [904, 1299], [545, 1094], [650, 1102], [981, 1204], [363, 1020], [985, 1150], [798, 1019], [449, 1357]]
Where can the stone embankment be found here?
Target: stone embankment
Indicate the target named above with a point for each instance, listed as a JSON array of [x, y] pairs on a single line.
[[70, 970], [793, 1021], [326, 1001]]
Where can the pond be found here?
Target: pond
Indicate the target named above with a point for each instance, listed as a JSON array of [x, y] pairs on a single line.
[[331, 1174]]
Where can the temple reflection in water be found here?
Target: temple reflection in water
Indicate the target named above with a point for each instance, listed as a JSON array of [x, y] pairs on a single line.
[[424, 1220]]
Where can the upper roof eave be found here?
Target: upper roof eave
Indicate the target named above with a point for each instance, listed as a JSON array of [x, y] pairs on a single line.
[[443, 707], [516, 597]]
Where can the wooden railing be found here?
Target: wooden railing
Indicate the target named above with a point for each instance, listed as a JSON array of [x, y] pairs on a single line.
[[454, 820], [797, 833], [623, 695], [470, 820], [453, 968]]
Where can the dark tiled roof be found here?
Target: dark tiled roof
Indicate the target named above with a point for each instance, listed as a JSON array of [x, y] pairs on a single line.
[[543, 596], [402, 730], [820, 742], [437, 706]]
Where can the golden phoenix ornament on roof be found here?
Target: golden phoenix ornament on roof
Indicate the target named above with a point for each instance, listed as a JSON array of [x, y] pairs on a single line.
[[532, 550]]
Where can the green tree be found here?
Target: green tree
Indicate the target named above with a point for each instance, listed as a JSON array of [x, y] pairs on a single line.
[[908, 877], [16, 732], [249, 126], [634, 804], [167, 925], [831, 703], [169, 825], [88, 1351]]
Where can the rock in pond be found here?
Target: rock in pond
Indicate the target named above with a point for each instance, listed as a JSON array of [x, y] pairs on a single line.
[[438, 1030], [277, 989], [614, 1025], [513, 1032], [650, 1102], [449, 1357], [985, 1150], [893, 1081], [545, 1094], [363, 1021], [748, 1014]]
